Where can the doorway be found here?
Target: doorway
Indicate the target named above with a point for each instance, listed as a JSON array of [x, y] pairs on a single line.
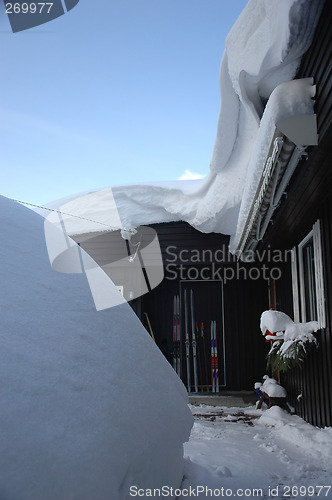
[[202, 339]]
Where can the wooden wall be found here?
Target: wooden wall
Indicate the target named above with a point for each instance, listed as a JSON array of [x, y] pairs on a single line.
[[244, 300], [246, 350], [309, 197], [310, 386]]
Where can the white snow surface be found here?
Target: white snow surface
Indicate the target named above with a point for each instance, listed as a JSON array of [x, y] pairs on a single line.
[[273, 389], [287, 330], [277, 321], [276, 450], [89, 405], [263, 53], [274, 321], [288, 99]]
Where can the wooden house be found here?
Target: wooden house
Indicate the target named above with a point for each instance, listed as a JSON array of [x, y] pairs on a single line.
[[295, 246], [303, 223], [289, 232]]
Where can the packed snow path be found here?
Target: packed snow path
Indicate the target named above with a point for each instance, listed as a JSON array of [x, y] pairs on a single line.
[[255, 453]]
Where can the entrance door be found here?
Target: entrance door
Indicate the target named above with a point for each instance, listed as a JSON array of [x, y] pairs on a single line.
[[202, 305]]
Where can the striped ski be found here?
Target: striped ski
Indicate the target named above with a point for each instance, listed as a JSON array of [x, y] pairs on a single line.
[[187, 342], [216, 368], [213, 371], [194, 342], [199, 358]]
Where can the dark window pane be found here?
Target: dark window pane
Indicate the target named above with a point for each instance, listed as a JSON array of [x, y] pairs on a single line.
[[309, 281]]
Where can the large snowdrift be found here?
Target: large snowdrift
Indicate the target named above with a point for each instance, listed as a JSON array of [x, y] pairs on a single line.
[[263, 52], [89, 405]]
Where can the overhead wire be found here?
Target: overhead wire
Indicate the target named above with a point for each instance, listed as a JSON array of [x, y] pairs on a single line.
[[64, 213]]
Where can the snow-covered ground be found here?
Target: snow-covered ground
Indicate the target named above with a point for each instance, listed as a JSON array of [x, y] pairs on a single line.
[[256, 453]]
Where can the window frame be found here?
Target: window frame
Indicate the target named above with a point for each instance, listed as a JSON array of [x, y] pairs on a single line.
[[299, 281]]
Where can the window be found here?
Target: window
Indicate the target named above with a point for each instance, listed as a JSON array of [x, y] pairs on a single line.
[[307, 278]]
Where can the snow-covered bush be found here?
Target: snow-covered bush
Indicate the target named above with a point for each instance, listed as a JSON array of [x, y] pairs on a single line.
[[291, 341]]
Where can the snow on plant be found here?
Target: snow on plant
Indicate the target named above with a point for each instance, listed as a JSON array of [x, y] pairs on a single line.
[[291, 341]]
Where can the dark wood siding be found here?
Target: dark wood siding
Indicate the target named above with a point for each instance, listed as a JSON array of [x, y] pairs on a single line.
[[244, 299], [188, 240], [309, 197]]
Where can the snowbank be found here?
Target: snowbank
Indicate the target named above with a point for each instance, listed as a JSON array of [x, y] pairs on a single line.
[[279, 455], [263, 53], [89, 405], [293, 429]]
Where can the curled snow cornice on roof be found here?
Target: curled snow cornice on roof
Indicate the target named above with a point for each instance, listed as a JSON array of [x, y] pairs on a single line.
[[287, 127], [263, 50]]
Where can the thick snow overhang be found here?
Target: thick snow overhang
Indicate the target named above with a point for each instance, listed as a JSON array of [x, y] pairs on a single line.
[[238, 197], [284, 155], [291, 136]]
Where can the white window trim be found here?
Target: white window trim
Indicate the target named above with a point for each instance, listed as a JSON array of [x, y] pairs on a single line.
[[301, 274], [320, 292], [295, 286], [315, 235]]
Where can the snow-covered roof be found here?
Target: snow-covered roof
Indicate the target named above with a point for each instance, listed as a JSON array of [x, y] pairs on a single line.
[[263, 53]]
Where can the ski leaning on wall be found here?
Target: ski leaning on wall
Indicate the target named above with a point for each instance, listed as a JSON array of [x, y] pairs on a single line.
[[203, 359], [193, 339], [196, 349], [187, 341], [176, 335], [214, 357], [194, 345]]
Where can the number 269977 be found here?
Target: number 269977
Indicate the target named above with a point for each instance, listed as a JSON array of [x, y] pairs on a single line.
[[29, 8]]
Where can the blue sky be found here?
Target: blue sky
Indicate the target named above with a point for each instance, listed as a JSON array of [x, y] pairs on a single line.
[[113, 92]]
